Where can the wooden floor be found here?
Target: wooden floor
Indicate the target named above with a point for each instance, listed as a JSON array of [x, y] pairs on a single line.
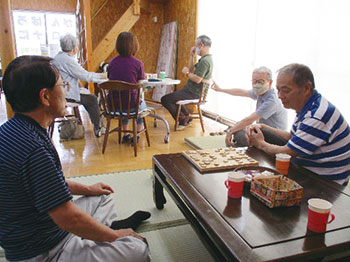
[[84, 156]]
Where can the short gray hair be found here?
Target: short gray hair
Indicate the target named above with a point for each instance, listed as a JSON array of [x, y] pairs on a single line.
[[301, 74], [68, 42], [263, 70], [204, 39]]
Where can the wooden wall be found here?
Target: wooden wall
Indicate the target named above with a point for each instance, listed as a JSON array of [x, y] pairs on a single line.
[[52, 5], [106, 12], [149, 34], [104, 15], [185, 13]]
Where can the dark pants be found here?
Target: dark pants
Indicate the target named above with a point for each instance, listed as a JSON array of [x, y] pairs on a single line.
[[89, 101], [169, 101], [270, 137]]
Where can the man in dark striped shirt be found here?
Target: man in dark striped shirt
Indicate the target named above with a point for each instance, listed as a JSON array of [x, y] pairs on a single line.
[[38, 219], [320, 136]]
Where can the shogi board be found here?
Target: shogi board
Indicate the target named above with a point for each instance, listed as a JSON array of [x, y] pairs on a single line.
[[219, 159]]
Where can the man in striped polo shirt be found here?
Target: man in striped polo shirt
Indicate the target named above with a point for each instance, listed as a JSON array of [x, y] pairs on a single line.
[[320, 137], [39, 221]]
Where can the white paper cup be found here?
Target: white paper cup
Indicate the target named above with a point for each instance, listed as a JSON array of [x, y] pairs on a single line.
[[319, 215], [236, 176], [234, 183], [283, 157], [282, 163], [319, 205]]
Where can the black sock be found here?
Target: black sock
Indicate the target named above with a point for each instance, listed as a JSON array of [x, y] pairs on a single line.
[[132, 221]]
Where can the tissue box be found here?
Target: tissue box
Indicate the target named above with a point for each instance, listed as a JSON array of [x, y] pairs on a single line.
[[277, 191]]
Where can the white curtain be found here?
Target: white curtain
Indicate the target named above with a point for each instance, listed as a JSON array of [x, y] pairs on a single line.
[[274, 33]]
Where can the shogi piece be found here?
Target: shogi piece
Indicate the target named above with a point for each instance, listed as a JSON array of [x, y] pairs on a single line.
[[218, 159]]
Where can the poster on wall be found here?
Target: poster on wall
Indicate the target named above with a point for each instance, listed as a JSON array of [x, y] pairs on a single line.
[[29, 32], [38, 33]]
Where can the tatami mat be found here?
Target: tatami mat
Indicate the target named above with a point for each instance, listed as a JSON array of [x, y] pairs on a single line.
[[170, 237], [176, 244], [133, 191], [206, 142]]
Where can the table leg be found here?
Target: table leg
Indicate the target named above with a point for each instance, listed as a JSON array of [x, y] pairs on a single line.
[[166, 138], [158, 193]]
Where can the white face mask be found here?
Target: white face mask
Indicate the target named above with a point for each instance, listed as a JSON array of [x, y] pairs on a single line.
[[260, 89], [198, 51]]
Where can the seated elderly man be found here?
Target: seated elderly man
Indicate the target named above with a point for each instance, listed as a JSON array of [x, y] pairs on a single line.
[[195, 73], [320, 137], [39, 220], [72, 72], [269, 109]]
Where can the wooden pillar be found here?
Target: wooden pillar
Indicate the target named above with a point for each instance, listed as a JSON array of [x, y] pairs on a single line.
[[7, 41], [87, 19], [136, 7]]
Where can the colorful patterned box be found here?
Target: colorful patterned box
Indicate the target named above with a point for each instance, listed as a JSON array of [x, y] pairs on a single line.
[[277, 191]]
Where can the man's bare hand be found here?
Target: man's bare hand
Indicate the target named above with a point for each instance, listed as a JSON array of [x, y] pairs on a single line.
[[216, 87], [255, 136], [193, 51], [100, 189], [129, 232], [228, 139], [185, 70]]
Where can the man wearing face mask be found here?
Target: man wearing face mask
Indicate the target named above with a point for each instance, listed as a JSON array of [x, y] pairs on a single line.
[[269, 109], [195, 73]]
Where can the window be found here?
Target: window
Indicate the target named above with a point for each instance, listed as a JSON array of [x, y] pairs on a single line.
[[274, 33], [38, 33]]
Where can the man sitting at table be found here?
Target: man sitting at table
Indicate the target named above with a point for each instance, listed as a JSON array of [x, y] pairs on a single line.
[[39, 220], [195, 73], [320, 137], [71, 72], [269, 109]]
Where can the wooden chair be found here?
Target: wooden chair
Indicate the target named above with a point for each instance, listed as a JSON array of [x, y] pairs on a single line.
[[111, 110], [72, 111], [196, 102]]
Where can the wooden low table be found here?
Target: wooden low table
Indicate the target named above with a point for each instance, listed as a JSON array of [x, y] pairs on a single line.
[[246, 229]]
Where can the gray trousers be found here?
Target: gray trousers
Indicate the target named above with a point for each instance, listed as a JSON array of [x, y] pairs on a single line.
[[74, 248], [270, 137], [169, 101], [90, 103]]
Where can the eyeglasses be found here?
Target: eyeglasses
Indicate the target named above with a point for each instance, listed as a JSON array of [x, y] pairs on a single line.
[[259, 81], [65, 85]]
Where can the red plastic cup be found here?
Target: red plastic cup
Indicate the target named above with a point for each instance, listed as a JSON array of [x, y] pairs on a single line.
[[234, 183], [319, 214], [282, 163]]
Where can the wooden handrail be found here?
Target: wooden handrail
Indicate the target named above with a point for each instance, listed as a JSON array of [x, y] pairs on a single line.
[[107, 44], [99, 10]]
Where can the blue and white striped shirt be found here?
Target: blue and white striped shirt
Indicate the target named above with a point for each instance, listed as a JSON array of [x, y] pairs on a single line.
[[31, 184], [321, 136]]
